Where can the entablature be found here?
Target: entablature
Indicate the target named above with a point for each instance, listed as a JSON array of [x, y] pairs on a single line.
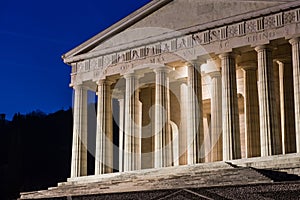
[[175, 46]]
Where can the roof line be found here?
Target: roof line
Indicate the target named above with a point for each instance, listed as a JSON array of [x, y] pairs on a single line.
[[118, 27], [202, 27]]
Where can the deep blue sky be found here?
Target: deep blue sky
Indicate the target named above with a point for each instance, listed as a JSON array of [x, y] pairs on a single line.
[[33, 36]]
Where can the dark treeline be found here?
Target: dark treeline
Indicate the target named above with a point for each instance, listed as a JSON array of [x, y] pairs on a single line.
[[35, 152]]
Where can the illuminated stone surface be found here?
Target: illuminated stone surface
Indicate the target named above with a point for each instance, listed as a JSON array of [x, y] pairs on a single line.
[[197, 82]]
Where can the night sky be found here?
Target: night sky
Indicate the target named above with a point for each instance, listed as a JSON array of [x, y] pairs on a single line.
[[33, 36]]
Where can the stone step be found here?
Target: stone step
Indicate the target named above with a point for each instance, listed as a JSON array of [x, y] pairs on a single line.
[[219, 177], [237, 172], [295, 171], [287, 163], [167, 178]]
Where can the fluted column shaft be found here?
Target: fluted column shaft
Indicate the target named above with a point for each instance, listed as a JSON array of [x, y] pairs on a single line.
[[296, 74], [287, 110], [269, 130], [79, 146], [231, 130], [184, 122], [195, 115], [132, 138], [121, 135], [163, 138], [216, 117], [104, 132], [251, 111]]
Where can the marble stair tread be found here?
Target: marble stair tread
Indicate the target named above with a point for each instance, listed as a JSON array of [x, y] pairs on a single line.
[[179, 177]]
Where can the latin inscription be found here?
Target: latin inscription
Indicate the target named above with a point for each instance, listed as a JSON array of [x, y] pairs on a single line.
[[247, 32], [261, 36]]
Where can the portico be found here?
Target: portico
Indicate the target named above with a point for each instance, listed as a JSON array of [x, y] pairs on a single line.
[[224, 91], [194, 98]]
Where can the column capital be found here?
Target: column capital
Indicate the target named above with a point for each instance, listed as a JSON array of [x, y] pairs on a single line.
[[232, 54], [214, 74], [213, 59], [249, 65], [199, 61], [130, 75], [283, 61], [134, 74], [164, 69], [264, 47], [294, 40], [194, 64], [77, 86], [283, 58], [213, 67], [80, 86], [104, 81]]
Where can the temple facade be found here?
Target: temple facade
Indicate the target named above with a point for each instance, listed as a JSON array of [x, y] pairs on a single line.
[[194, 81]]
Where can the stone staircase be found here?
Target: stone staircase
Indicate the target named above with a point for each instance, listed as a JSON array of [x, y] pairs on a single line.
[[251, 172], [194, 176], [289, 163]]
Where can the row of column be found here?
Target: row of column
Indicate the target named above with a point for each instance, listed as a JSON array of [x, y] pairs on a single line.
[[262, 129], [263, 116]]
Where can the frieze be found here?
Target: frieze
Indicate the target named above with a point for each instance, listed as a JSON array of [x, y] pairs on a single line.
[[256, 37], [251, 26], [233, 30], [201, 38], [87, 65], [135, 54], [123, 68], [166, 46], [107, 60], [214, 35], [94, 63], [253, 31], [80, 66], [269, 22], [289, 17]]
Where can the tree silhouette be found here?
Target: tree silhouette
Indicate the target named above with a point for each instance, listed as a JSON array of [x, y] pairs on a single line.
[[35, 151]]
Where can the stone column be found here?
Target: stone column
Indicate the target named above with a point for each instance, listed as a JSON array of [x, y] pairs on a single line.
[[231, 129], [216, 117], [183, 124], [251, 110], [295, 42], [277, 95], [162, 145], [147, 117], [79, 146], [121, 135], [104, 132], [195, 115], [132, 139], [287, 109], [269, 130]]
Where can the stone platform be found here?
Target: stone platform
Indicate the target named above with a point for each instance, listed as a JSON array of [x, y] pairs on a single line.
[[197, 181]]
